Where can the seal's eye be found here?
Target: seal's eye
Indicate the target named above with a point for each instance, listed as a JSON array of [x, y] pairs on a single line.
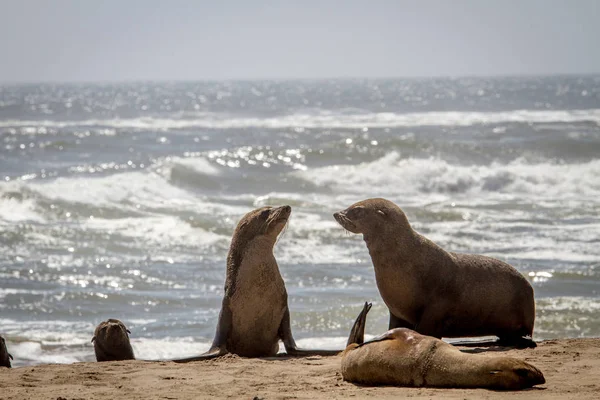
[[265, 214]]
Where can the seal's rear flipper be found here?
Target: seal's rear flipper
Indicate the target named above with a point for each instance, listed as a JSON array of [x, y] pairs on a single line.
[[212, 353], [285, 334], [306, 352], [519, 342], [357, 333], [219, 345]]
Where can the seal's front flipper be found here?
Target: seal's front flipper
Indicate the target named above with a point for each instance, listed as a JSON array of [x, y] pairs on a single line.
[[223, 327], [219, 345], [357, 333], [285, 334]]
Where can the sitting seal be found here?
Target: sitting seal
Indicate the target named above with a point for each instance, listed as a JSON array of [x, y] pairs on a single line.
[[254, 314], [5, 356], [403, 357], [111, 341], [439, 293]]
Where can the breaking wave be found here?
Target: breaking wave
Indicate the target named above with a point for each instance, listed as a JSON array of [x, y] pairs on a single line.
[[324, 120]]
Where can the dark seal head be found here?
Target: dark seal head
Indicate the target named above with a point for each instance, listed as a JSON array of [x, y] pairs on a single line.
[[5, 356], [111, 341], [255, 235], [404, 357], [254, 314], [374, 217], [436, 292]]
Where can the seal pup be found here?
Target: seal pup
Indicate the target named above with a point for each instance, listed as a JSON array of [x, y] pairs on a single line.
[[5, 356], [111, 341], [254, 314], [404, 357], [440, 293]]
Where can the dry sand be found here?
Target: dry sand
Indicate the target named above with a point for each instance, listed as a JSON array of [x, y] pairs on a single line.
[[571, 368]]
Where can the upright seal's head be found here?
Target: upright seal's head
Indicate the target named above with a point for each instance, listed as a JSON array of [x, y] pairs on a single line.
[[372, 216], [265, 222], [111, 341], [5, 356]]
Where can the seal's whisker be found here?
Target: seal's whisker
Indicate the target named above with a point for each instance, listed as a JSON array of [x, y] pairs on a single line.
[[283, 230]]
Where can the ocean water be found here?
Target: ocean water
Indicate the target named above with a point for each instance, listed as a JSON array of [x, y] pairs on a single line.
[[119, 200]]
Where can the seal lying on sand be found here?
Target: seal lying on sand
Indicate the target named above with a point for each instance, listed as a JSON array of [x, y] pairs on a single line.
[[254, 314], [5, 356], [111, 341], [404, 357], [439, 293]]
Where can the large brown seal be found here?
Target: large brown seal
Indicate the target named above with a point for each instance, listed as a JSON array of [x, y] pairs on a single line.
[[439, 293], [254, 314], [404, 357], [5, 356], [111, 341]]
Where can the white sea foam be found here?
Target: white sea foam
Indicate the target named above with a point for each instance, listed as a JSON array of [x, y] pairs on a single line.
[[56, 332], [15, 211], [325, 120], [136, 188], [199, 164], [31, 353], [434, 179], [163, 231], [168, 348]]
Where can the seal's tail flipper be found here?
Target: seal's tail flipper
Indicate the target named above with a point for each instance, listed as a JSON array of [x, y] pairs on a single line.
[[357, 334]]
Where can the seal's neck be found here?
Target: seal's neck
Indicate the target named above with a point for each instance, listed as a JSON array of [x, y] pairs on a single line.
[[259, 253], [380, 243]]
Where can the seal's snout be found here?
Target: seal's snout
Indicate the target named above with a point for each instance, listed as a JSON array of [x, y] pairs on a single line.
[[283, 212], [345, 222]]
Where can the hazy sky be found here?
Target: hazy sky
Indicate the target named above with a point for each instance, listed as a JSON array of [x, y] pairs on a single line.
[[85, 40]]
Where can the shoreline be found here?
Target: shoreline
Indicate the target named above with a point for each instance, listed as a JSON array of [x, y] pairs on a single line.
[[571, 368]]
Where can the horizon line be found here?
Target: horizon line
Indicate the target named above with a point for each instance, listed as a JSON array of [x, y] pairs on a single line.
[[283, 79]]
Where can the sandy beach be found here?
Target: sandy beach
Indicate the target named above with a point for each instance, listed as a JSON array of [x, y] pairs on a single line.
[[571, 368]]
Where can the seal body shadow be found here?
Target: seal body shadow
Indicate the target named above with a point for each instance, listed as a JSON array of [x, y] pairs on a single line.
[[436, 292], [254, 313], [5, 356], [403, 357], [111, 341]]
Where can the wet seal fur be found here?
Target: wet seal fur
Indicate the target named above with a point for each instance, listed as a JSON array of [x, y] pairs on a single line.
[[254, 314], [5, 356], [111, 341], [403, 357], [440, 293]]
